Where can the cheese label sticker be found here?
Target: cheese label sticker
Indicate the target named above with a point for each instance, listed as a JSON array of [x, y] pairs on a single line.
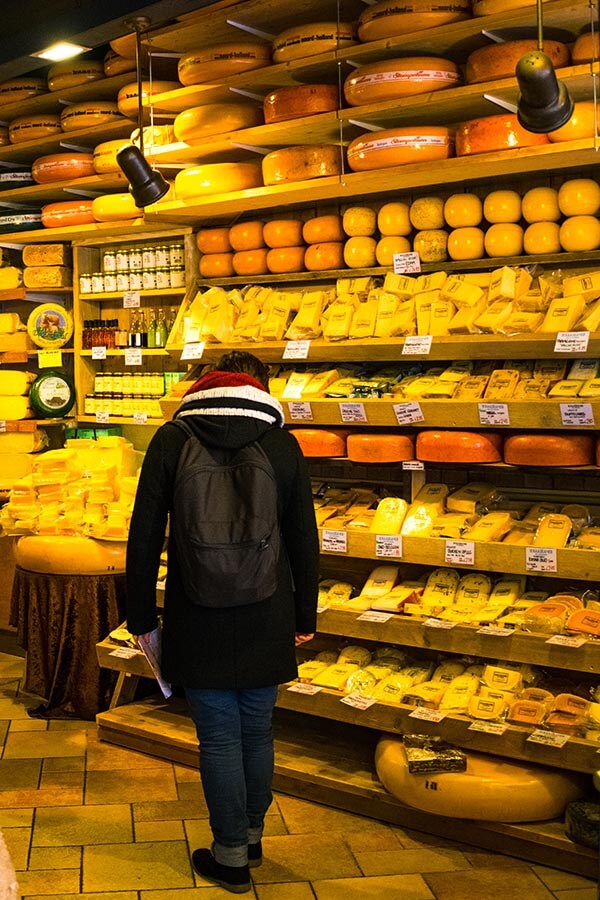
[[358, 701], [496, 631], [567, 640], [373, 615], [460, 553], [417, 345], [419, 75], [140, 418], [300, 410], [493, 414], [405, 263], [572, 342], [133, 356], [47, 359], [296, 350], [577, 414], [388, 545], [488, 727], [408, 413], [439, 623], [548, 738], [131, 299], [102, 417], [125, 652], [541, 559], [428, 715], [193, 350], [353, 412], [98, 352], [334, 541], [413, 465], [300, 687]]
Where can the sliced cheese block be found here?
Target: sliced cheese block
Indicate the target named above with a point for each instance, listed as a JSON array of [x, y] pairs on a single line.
[[19, 89], [586, 621], [115, 208], [549, 450], [380, 448], [399, 146], [71, 555], [47, 276], [459, 446], [500, 60], [469, 498], [67, 212], [105, 156], [200, 122], [300, 100], [221, 60], [89, 114], [62, 167], [114, 64], [321, 442], [393, 78], [301, 163], [70, 73], [308, 40], [127, 98], [394, 17], [47, 255], [501, 132], [335, 676], [30, 128], [217, 178]]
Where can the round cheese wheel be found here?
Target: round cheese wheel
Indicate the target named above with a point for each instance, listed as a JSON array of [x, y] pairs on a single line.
[[154, 136], [502, 132], [399, 146], [308, 40], [89, 114], [579, 233], [71, 555], [504, 239], [18, 89], [502, 206], [379, 448], [213, 240], [115, 208], [549, 450], [251, 262], [30, 128], [300, 100], [217, 178], [50, 325], [459, 446], [541, 205], [301, 163], [27, 219], [490, 7], [222, 60], [586, 48], [500, 60], [324, 256], [127, 98], [393, 219], [62, 167], [391, 79], [4, 139], [579, 197], [281, 260], [394, 17], [463, 210], [15, 178], [582, 124], [70, 73], [431, 244], [427, 212], [200, 122], [321, 441], [283, 233], [105, 156], [466, 243], [66, 213], [247, 235], [542, 237], [117, 65], [216, 265], [388, 246], [52, 394], [323, 229], [360, 252], [359, 221]]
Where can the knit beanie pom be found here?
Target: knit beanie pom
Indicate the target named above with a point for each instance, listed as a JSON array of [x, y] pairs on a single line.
[[217, 379]]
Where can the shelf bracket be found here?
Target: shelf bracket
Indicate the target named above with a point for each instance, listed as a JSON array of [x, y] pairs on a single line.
[[9, 165], [250, 94], [493, 36], [82, 193], [366, 125], [262, 150], [11, 205], [505, 104], [76, 147], [350, 62], [256, 31]]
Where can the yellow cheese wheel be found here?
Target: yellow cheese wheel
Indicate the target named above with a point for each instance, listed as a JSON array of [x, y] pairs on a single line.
[[579, 233], [359, 221], [199, 122], [549, 450], [491, 7], [127, 98], [582, 124], [247, 235], [391, 79], [359, 252], [324, 256], [586, 48], [502, 206], [427, 212], [222, 60], [251, 262], [393, 219], [217, 178], [542, 237], [89, 114], [394, 17], [500, 60], [105, 156], [283, 233], [30, 128], [213, 240], [541, 205], [380, 448], [431, 244], [66, 213], [459, 446], [281, 260], [463, 210], [579, 197], [117, 65], [62, 167], [300, 100], [466, 243], [321, 441], [70, 555], [504, 239], [502, 132], [301, 163], [308, 40], [388, 246], [70, 73], [400, 146], [115, 207], [216, 265], [18, 89], [323, 229]]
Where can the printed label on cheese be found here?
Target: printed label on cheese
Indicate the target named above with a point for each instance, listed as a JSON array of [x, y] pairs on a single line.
[[372, 615], [358, 701], [388, 545], [540, 559], [460, 553], [405, 140], [548, 738], [571, 342], [353, 412], [417, 345], [299, 410], [408, 413], [410, 75], [576, 414], [428, 715], [493, 414], [296, 350], [405, 263], [334, 541]]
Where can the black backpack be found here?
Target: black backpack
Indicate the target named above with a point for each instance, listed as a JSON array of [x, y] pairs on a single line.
[[225, 523]]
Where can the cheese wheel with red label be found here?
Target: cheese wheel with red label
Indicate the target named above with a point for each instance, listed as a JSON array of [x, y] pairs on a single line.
[[301, 163], [117, 65], [459, 446], [66, 213], [62, 167], [115, 208], [394, 17], [502, 132], [500, 60], [18, 89], [31, 128], [321, 441], [380, 448], [399, 146], [89, 114], [68, 74], [222, 60], [300, 100], [105, 156], [127, 98], [217, 178], [582, 124], [216, 265], [200, 122], [549, 450], [308, 40], [394, 78]]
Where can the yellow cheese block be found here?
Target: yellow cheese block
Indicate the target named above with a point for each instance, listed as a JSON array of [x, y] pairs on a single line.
[[440, 589], [195, 124], [47, 276], [217, 178], [335, 676], [14, 408], [491, 527], [553, 530], [469, 498], [309, 40], [563, 313], [14, 383], [402, 286], [47, 255], [10, 323], [502, 384], [389, 516]]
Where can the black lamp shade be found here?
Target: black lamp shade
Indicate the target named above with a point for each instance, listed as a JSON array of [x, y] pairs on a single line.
[[146, 184], [544, 104]]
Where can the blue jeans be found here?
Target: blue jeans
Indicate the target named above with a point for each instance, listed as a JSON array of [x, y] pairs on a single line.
[[236, 764]]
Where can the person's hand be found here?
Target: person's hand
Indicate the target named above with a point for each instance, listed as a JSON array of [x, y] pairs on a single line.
[[303, 638]]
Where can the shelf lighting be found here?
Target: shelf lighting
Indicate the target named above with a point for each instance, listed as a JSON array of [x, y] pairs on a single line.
[[61, 50]]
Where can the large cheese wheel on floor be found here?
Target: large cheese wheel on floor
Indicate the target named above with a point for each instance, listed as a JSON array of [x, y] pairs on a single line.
[[492, 789], [459, 447], [31, 128], [62, 167], [217, 178], [321, 441], [115, 208], [300, 100], [18, 89], [69, 555], [308, 40], [380, 448], [200, 122], [399, 147], [89, 114], [391, 79], [394, 17], [549, 450], [117, 65], [301, 163], [70, 73], [222, 60], [502, 132], [127, 98], [105, 156], [582, 124], [500, 60], [66, 213]]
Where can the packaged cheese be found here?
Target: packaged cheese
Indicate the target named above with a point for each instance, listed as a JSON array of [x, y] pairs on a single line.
[[548, 618], [402, 286], [389, 516], [491, 527], [432, 494], [494, 316], [562, 314], [553, 530], [469, 498], [501, 385], [335, 676], [440, 589]]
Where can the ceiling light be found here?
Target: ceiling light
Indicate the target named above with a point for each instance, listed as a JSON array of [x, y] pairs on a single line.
[[61, 50]]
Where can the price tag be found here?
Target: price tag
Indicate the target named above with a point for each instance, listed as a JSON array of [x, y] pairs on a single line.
[[428, 715], [406, 262], [388, 545], [460, 553], [576, 414], [102, 417], [488, 727], [353, 412], [133, 356], [49, 358], [417, 345], [2, 426], [358, 701], [98, 352], [548, 738], [408, 413], [493, 414], [193, 350], [374, 615], [413, 465], [125, 652], [131, 299], [140, 418], [567, 640], [540, 559], [321, 608], [299, 410], [160, 586], [334, 541], [571, 342], [300, 688], [494, 630], [296, 350], [439, 623]]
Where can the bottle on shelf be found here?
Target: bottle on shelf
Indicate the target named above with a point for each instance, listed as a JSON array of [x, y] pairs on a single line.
[[121, 337], [152, 329], [162, 331], [134, 338]]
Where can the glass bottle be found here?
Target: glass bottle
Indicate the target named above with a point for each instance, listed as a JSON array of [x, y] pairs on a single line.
[[152, 329], [121, 337], [134, 338], [162, 331], [135, 258]]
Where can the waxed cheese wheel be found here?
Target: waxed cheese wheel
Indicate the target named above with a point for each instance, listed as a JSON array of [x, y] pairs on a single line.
[[323, 228], [391, 79], [15, 178], [105, 156], [301, 163], [71, 555], [66, 213], [30, 128], [500, 60], [222, 60], [117, 65], [4, 139], [89, 114], [308, 40], [213, 240], [50, 325], [26, 219], [251, 262], [586, 48], [62, 167], [459, 447], [283, 233], [400, 146], [115, 208], [394, 17], [501, 132], [217, 178], [321, 441], [127, 98], [582, 124], [18, 89], [300, 100], [490, 7], [216, 265], [70, 73], [549, 450], [200, 122], [321, 257], [380, 448], [283, 260]]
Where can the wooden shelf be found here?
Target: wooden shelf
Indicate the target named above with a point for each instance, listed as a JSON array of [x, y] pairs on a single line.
[[29, 425], [53, 101], [118, 295], [28, 151], [100, 232], [66, 190], [146, 351], [121, 420]]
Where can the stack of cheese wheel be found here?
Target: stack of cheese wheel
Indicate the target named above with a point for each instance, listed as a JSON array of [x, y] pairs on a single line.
[[395, 17], [392, 79], [117, 65], [426, 215], [549, 450], [459, 446], [62, 167], [579, 200], [105, 156], [380, 448], [360, 224], [196, 124], [66, 213], [115, 208], [286, 247], [582, 124], [400, 146], [127, 98], [30, 128], [501, 132], [216, 260], [309, 40], [502, 206], [89, 114], [70, 73], [217, 178], [464, 213], [394, 226], [541, 212], [247, 240], [320, 441], [301, 163], [300, 100], [500, 60], [325, 238], [18, 89], [222, 60]]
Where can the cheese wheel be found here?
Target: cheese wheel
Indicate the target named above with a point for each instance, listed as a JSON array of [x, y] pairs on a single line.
[[321, 441], [394, 219], [300, 100], [586, 48], [66, 213], [70, 555], [549, 450], [359, 221], [15, 178], [251, 262], [105, 156], [459, 446], [502, 132], [426, 213], [360, 252], [213, 240], [323, 229], [30, 128], [379, 448], [70, 73], [217, 178], [579, 233], [431, 244], [50, 325], [542, 237], [388, 246], [324, 256], [127, 98], [391, 79], [491, 7], [216, 265], [582, 124], [117, 65], [200, 122], [504, 239], [246, 235], [308, 40], [502, 206], [281, 260], [399, 146], [222, 60], [500, 60], [463, 210], [466, 243], [18, 89], [393, 17], [541, 205], [579, 197], [301, 163], [89, 114], [115, 208], [283, 233], [62, 167]]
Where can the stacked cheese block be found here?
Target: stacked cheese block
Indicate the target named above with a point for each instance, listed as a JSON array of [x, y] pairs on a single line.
[[14, 394], [17, 449], [47, 266]]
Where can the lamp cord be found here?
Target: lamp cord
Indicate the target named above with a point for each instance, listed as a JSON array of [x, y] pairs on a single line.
[[138, 69]]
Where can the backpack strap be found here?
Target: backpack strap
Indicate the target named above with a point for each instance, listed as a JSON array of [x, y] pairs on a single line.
[[183, 426]]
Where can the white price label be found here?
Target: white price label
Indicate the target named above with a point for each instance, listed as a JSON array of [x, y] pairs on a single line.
[[2, 426], [133, 356], [125, 652], [140, 418], [353, 412], [322, 608], [334, 541], [548, 738], [131, 299], [374, 615], [408, 413], [571, 342], [567, 640], [413, 465], [540, 559], [576, 414], [493, 414], [98, 352], [358, 701], [439, 623], [388, 545], [428, 715], [193, 350], [300, 687], [299, 410], [488, 727], [160, 586], [460, 553], [417, 345], [102, 417], [406, 262], [296, 350], [494, 630]]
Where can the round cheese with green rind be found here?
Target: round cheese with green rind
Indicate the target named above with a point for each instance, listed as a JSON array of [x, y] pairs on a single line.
[[52, 395], [50, 325]]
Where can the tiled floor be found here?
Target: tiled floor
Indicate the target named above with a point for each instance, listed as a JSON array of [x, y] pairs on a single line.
[[83, 818]]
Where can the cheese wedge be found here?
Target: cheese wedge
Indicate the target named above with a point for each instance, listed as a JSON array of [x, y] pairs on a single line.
[[363, 320], [392, 689], [441, 313], [562, 314], [588, 286], [389, 516], [494, 316], [461, 293], [552, 369], [395, 600], [459, 693], [503, 284], [419, 520], [584, 621], [499, 677], [470, 497], [448, 671], [553, 530], [465, 319], [487, 708], [429, 694]]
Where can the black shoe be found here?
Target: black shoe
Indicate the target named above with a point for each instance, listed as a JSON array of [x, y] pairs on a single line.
[[235, 879], [254, 855]]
